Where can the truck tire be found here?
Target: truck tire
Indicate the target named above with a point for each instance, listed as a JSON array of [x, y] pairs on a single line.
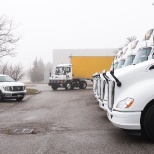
[[149, 123], [72, 87], [54, 87], [68, 86], [19, 99], [83, 85]]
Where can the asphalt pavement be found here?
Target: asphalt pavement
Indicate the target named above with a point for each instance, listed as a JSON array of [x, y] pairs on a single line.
[[63, 121]]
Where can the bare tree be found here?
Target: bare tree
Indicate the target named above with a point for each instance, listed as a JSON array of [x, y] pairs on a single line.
[[8, 38], [16, 71], [4, 68]]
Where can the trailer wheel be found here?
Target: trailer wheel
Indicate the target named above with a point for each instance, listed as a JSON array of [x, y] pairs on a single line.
[[149, 123], [54, 87], [83, 85], [68, 86]]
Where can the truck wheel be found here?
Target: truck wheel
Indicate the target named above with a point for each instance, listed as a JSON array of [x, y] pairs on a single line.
[[54, 87], [83, 85], [72, 87], [68, 86], [149, 123], [19, 99]]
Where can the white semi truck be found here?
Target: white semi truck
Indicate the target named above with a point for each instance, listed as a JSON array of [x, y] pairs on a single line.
[[130, 93]]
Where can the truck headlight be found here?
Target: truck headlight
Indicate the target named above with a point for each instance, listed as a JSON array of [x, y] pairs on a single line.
[[7, 88], [126, 103]]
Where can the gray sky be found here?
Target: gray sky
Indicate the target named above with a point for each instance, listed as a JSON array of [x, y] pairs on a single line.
[[72, 24]]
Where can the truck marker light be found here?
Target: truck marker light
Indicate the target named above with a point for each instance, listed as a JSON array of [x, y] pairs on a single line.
[[126, 103]]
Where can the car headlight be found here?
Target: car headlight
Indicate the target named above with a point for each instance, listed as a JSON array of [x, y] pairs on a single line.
[[126, 103], [7, 88], [24, 87]]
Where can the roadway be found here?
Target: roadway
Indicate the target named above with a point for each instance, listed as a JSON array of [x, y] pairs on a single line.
[[63, 122]]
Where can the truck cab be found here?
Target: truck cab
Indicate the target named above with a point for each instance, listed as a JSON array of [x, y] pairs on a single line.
[[131, 103], [122, 57], [133, 47], [63, 78], [63, 73]]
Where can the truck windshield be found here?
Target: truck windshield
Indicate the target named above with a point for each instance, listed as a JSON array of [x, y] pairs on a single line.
[[142, 55], [111, 68], [115, 65], [6, 79], [129, 60], [121, 63], [60, 71]]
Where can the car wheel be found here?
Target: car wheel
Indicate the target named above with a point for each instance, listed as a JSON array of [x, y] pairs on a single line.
[[1, 97], [149, 123]]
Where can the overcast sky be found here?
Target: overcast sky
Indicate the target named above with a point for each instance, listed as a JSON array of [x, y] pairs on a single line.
[[72, 24]]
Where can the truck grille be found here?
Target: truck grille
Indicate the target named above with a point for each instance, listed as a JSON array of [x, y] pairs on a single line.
[[53, 81], [106, 91], [103, 82], [111, 86], [98, 87]]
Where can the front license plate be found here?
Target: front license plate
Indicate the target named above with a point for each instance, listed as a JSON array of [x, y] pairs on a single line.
[[19, 96]]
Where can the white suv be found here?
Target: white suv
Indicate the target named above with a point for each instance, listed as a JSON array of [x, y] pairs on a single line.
[[10, 89]]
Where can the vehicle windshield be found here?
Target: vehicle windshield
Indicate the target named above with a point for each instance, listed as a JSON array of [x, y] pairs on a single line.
[[129, 60], [121, 63], [142, 55], [115, 65], [6, 79], [59, 71], [62, 70], [111, 68]]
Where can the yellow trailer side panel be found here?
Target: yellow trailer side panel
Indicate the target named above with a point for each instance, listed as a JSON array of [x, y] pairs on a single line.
[[86, 66]]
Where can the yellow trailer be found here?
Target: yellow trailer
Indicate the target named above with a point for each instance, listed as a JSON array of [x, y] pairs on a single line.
[[85, 66], [78, 70]]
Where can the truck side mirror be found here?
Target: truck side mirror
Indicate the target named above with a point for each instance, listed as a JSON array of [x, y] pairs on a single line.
[[153, 55]]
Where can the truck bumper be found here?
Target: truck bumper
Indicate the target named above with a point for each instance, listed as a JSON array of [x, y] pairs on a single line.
[[57, 83], [125, 120]]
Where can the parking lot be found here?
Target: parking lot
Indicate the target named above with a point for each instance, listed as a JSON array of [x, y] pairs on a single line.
[[63, 122]]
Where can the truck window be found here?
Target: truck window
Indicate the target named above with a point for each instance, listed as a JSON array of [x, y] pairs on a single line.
[[67, 69], [115, 65], [59, 71], [121, 63], [142, 55], [129, 60]]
